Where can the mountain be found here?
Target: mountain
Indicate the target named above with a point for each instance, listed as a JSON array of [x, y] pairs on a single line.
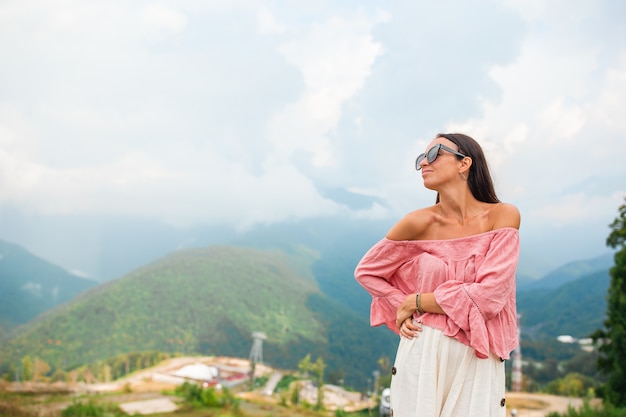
[[295, 283], [568, 272], [209, 301], [339, 249], [30, 285], [576, 308]]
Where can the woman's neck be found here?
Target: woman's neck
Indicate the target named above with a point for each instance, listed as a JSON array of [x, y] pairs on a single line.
[[460, 207]]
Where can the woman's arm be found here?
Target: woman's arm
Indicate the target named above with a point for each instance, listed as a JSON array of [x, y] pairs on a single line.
[[428, 304]]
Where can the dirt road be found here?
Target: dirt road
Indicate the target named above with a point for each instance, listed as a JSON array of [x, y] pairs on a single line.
[[539, 405]]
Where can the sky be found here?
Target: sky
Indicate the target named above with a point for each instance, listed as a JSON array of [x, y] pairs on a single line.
[[257, 112]]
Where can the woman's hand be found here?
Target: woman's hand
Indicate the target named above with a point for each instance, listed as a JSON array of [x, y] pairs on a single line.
[[404, 318], [406, 309], [409, 328]]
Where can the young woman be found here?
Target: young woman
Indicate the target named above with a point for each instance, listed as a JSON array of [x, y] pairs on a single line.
[[444, 280]]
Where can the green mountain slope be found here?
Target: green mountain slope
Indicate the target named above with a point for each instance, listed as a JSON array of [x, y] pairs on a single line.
[[208, 301], [576, 308], [29, 285], [569, 272]]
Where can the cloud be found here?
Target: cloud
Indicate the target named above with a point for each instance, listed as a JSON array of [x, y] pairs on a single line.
[[576, 208], [267, 23], [33, 288], [249, 112], [607, 111], [154, 146], [159, 18], [335, 59], [555, 104]]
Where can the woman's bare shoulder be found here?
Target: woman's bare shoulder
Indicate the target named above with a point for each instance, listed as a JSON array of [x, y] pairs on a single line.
[[413, 225], [505, 215]]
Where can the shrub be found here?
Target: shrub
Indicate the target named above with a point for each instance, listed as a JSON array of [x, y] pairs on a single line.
[[588, 411], [340, 413], [91, 409], [196, 396]]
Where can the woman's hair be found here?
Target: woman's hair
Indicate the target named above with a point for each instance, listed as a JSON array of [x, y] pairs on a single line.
[[479, 178]]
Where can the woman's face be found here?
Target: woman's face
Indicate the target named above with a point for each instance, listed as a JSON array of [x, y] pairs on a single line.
[[440, 157]]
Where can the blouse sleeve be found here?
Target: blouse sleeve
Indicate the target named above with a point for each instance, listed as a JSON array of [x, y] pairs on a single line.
[[375, 273], [470, 305]]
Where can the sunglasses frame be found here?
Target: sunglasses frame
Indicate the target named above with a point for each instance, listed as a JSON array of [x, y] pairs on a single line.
[[428, 153]]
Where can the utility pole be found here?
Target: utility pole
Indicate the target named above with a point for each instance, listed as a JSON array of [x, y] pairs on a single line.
[[516, 373], [19, 365], [256, 354], [376, 375]]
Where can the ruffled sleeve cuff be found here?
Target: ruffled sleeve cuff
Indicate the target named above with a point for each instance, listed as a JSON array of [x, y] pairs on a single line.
[[465, 316]]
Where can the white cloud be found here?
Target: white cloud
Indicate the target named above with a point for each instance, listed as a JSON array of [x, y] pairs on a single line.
[[335, 59], [243, 112], [576, 208], [267, 23], [560, 123], [127, 175], [76, 272], [33, 288], [160, 18], [543, 132], [608, 110]]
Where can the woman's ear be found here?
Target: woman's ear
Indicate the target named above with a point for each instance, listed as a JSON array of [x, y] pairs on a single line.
[[466, 164]]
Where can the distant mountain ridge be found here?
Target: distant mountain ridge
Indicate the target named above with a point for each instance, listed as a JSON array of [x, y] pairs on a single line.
[[576, 308], [569, 272], [209, 301], [568, 300], [29, 285]]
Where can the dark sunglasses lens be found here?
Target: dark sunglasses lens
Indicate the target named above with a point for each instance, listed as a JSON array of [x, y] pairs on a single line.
[[419, 160], [433, 153]]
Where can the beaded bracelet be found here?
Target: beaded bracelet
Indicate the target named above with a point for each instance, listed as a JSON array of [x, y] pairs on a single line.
[[418, 303]]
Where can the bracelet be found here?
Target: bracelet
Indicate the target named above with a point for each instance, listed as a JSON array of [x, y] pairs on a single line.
[[418, 303]]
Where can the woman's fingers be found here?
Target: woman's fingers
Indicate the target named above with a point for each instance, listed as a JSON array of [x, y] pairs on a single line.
[[410, 329], [411, 325]]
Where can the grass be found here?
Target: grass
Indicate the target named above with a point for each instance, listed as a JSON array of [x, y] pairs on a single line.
[[526, 403]]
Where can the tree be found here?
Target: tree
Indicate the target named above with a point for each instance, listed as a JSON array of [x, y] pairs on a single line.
[[59, 375], [318, 370], [27, 368], [11, 374], [305, 365], [613, 348], [40, 370], [385, 367]]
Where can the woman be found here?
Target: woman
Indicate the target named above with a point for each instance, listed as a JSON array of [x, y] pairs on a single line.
[[444, 280]]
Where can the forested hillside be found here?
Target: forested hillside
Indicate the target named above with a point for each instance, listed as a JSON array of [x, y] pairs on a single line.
[[208, 301], [569, 272], [576, 308]]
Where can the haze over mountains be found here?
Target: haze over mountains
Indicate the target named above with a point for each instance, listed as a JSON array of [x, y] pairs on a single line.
[[30, 285], [107, 247]]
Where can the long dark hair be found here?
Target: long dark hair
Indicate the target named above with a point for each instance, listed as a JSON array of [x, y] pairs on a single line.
[[479, 178]]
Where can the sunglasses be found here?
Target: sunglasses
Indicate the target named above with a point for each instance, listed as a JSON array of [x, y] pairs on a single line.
[[433, 153]]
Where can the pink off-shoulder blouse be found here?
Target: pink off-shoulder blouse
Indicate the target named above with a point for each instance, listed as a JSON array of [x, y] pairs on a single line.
[[472, 277]]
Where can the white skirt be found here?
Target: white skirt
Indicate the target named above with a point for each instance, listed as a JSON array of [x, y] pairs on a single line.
[[438, 376]]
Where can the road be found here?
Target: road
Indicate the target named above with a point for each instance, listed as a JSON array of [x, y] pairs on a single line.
[[273, 380], [539, 405]]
